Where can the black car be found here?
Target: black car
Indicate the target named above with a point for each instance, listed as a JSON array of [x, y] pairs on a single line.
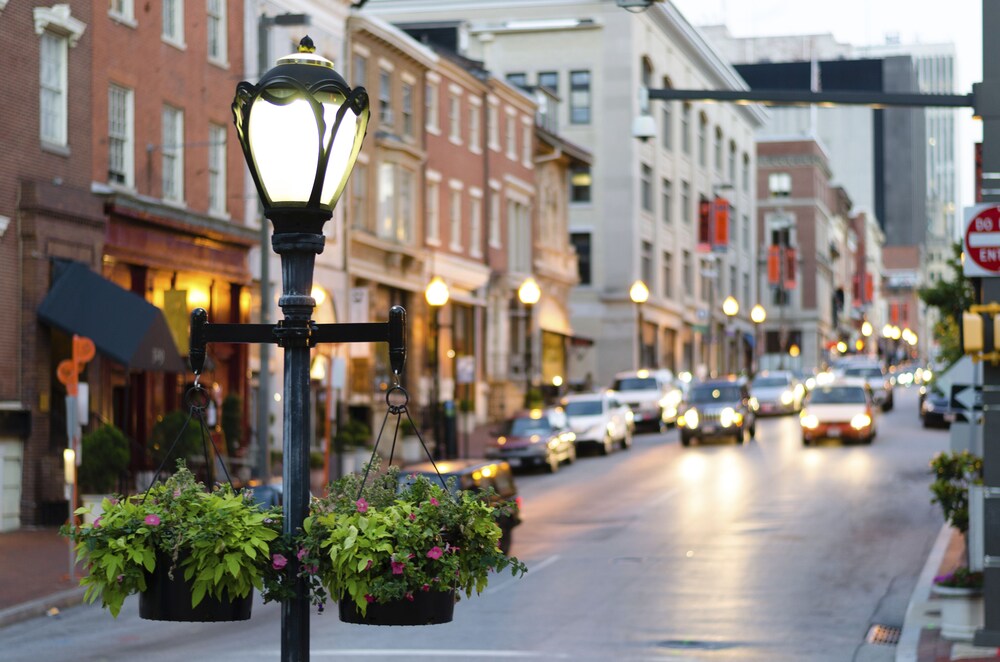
[[935, 409], [474, 474], [717, 408]]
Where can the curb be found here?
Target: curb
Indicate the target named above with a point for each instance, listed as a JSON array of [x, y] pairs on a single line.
[[40, 607], [916, 620]]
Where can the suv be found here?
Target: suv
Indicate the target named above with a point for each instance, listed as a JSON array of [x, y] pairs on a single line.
[[535, 437], [651, 395], [478, 475], [717, 408], [599, 419]]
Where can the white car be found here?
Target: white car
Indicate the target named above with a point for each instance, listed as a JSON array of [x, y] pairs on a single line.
[[652, 396], [777, 392], [599, 419]]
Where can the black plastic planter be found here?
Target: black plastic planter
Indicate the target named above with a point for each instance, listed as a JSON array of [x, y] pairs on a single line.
[[426, 608], [167, 599]]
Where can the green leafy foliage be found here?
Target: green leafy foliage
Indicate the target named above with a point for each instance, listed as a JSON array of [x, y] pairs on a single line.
[[397, 540], [219, 539], [231, 421], [354, 434], [176, 427], [953, 474], [104, 457], [950, 297]]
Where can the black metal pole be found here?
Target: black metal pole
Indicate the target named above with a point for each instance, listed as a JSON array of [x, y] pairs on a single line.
[[527, 355], [638, 316], [439, 452]]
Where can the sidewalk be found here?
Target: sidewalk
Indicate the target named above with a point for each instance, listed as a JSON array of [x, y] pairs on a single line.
[[34, 574]]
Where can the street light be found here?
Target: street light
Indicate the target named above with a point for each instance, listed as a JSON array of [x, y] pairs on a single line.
[[866, 329], [639, 294], [301, 128], [529, 293], [730, 306], [436, 295], [757, 316]]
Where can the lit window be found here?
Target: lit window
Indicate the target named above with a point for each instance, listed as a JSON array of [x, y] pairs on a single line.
[[579, 184]]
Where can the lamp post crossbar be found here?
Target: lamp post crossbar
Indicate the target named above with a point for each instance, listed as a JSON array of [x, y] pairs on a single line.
[[804, 97]]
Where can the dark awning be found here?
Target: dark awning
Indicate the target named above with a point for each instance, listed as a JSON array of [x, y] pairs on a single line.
[[124, 327]]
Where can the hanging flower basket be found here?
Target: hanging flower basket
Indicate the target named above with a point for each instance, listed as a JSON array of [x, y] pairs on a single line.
[[425, 608], [168, 598]]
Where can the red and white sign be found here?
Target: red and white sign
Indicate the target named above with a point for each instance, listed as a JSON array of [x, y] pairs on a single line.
[[982, 241]]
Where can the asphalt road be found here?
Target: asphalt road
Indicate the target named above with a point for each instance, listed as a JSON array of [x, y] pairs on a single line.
[[768, 551]]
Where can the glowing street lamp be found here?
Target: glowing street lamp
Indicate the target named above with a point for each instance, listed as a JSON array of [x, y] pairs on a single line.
[[757, 316], [528, 293], [436, 295], [866, 329], [639, 294]]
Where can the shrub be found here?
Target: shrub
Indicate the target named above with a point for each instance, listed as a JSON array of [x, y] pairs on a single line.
[[104, 458]]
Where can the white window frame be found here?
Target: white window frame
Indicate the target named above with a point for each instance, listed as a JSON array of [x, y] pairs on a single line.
[[455, 188], [475, 106], [511, 134], [779, 184], [217, 170], [527, 133], [432, 104], [360, 192], [172, 155], [433, 203], [216, 23], [407, 93], [123, 11], [121, 133], [455, 114], [475, 221], [53, 82], [385, 117], [173, 15], [493, 123], [496, 237], [519, 243]]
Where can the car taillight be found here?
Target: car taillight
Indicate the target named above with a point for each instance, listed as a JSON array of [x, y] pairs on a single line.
[[517, 501]]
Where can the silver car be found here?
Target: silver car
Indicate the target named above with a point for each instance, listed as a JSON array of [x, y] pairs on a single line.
[[777, 392]]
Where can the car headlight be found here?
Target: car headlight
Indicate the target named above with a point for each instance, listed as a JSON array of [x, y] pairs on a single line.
[[727, 417], [809, 421], [861, 421], [690, 418], [754, 404], [787, 397], [928, 406], [810, 383]]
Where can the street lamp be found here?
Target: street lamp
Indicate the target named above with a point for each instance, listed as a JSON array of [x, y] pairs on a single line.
[[436, 295], [529, 293], [301, 128], [639, 294], [757, 316], [866, 329], [730, 306]]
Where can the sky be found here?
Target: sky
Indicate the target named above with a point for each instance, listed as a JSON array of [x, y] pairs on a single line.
[[862, 23]]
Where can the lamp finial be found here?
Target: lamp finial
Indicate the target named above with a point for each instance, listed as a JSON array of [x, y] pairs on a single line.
[[306, 45]]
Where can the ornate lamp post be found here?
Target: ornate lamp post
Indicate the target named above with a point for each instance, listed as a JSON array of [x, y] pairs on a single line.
[[301, 128], [529, 293], [639, 294], [436, 295], [757, 316], [730, 306]]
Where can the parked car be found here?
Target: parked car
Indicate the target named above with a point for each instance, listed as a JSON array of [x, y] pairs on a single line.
[[537, 437], [843, 409], [652, 395], [935, 409], [479, 475], [599, 419], [717, 408], [777, 392], [876, 378]]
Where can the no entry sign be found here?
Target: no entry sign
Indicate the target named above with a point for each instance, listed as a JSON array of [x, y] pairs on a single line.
[[982, 241]]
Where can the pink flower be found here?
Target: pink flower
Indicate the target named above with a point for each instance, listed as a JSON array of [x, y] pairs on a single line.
[[177, 494], [278, 561], [425, 587], [152, 520], [362, 506], [97, 523], [397, 567], [369, 566], [409, 596], [121, 578], [434, 553], [370, 598], [412, 517], [113, 501], [303, 552], [435, 502]]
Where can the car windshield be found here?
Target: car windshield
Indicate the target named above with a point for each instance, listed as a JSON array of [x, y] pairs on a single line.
[[707, 393], [863, 372], [771, 381], [583, 408], [634, 384], [837, 395], [525, 427]]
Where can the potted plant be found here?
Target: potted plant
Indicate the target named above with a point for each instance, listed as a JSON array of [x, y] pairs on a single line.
[[104, 458], [353, 441], [400, 553], [962, 608], [191, 554]]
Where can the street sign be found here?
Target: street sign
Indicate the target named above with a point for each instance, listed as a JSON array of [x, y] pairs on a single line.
[[982, 241], [965, 400]]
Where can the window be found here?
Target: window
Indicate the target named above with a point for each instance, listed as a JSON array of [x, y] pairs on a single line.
[[731, 170], [495, 240], [54, 56], [359, 197], [646, 188], [779, 184], [550, 80], [123, 10], [404, 233], [646, 262], [173, 22], [385, 96], [579, 183], [647, 82], [433, 210], [686, 275], [686, 202], [746, 172], [455, 217], [667, 195], [718, 149], [746, 288], [579, 97], [217, 169], [474, 133], [406, 97], [746, 232], [518, 79], [216, 25], [666, 135], [686, 128], [581, 242], [732, 281], [455, 119], [432, 106], [121, 137], [511, 136], [493, 122], [172, 151], [527, 132], [519, 233], [395, 203], [702, 139], [668, 275], [475, 222], [360, 69]]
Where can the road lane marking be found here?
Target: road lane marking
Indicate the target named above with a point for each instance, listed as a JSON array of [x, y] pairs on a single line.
[[421, 652]]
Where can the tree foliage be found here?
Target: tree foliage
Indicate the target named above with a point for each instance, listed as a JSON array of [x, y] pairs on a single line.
[[950, 297]]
